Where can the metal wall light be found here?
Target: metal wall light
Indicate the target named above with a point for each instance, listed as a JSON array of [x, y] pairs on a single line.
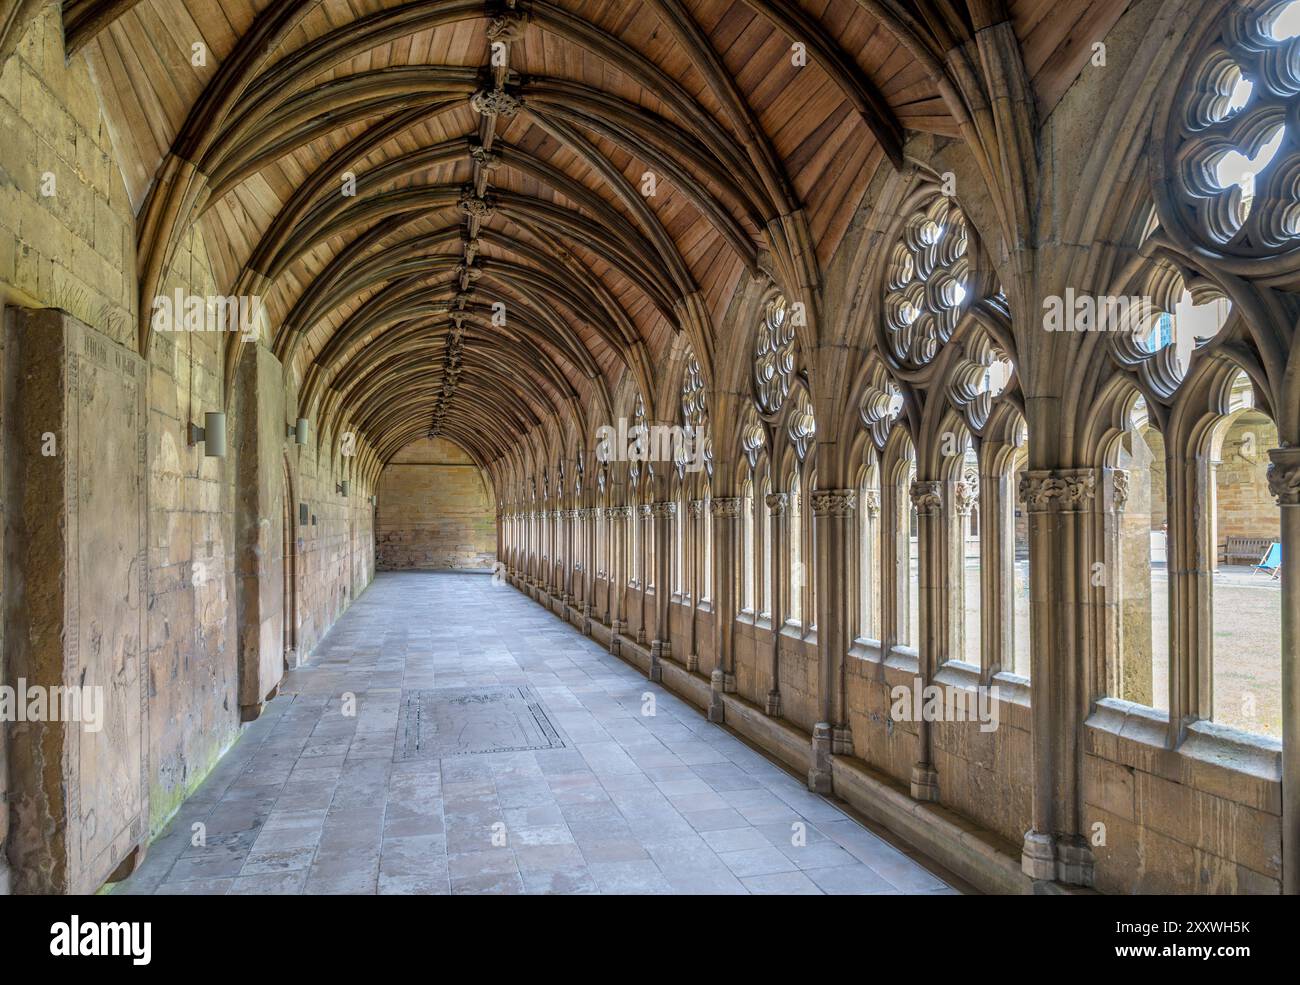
[[343, 488], [298, 432], [212, 434]]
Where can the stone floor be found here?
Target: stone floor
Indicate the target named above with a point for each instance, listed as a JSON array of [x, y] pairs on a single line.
[[319, 796]]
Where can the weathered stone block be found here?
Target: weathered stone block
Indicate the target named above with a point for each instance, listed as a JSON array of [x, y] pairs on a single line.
[[74, 611]]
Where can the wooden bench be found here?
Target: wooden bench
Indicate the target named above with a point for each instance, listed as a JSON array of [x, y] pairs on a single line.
[[1244, 550]]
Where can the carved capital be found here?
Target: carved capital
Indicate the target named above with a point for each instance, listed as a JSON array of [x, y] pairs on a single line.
[[834, 502], [643, 510], [664, 510], [728, 507], [697, 508], [1068, 490], [778, 503], [927, 497], [1284, 476]]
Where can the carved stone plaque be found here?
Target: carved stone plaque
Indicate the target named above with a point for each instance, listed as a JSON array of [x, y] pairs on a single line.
[[463, 721]]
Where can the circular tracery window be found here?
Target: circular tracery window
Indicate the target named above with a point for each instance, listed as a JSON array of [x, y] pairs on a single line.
[[803, 425], [925, 288], [697, 447], [774, 356], [1235, 160]]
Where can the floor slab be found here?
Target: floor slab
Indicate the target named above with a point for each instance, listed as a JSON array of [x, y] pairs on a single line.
[[336, 789]]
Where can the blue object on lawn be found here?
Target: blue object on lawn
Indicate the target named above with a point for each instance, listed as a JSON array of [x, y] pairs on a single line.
[[1272, 559]]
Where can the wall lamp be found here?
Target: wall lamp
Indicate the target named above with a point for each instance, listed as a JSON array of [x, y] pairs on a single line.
[[298, 432], [343, 488], [212, 434]]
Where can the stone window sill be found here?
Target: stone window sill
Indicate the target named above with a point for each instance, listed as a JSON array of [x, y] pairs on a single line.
[[1212, 758]]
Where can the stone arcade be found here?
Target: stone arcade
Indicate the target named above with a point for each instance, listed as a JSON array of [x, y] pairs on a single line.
[[979, 315]]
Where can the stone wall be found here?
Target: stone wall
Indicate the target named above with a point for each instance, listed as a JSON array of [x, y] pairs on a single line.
[[435, 510], [67, 241], [1243, 505]]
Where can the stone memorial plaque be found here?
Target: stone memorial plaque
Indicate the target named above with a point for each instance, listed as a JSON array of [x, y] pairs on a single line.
[[464, 721]]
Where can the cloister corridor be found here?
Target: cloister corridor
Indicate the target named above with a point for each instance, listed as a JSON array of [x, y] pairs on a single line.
[[649, 447], [626, 798]]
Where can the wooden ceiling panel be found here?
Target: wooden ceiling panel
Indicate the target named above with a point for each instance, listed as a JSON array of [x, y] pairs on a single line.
[[740, 131]]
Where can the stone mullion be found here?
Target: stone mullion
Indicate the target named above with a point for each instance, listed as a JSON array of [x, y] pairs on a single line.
[[1061, 515], [646, 531], [929, 637], [571, 562], [501, 537], [695, 557], [833, 512], [662, 514], [620, 517], [591, 520], [962, 501], [997, 574], [779, 525], [1109, 673], [726, 521], [606, 561], [1284, 483], [869, 566], [895, 539]]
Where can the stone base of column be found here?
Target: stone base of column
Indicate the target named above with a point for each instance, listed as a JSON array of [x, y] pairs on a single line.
[[925, 783], [640, 635], [772, 706], [250, 713], [1038, 856], [842, 740], [819, 774], [659, 649], [615, 630], [586, 618], [729, 683], [717, 685], [1074, 861], [693, 662]]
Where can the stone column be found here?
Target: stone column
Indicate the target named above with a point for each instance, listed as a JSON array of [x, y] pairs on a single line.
[[572, 562], [727, 517], [836, 553], [662, 514], [779, 532], [1059, 503], [870, 565], [619, 519], [643, 568], [694, 579], [965, 498], [1122, 678], [927, 497], [1284, 483], [590, 520]]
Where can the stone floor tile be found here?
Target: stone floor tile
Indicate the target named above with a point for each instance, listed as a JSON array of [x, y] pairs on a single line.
[[312, 800]]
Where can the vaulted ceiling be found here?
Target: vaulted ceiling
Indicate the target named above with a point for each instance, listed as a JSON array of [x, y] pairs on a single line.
[[387, 175]]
